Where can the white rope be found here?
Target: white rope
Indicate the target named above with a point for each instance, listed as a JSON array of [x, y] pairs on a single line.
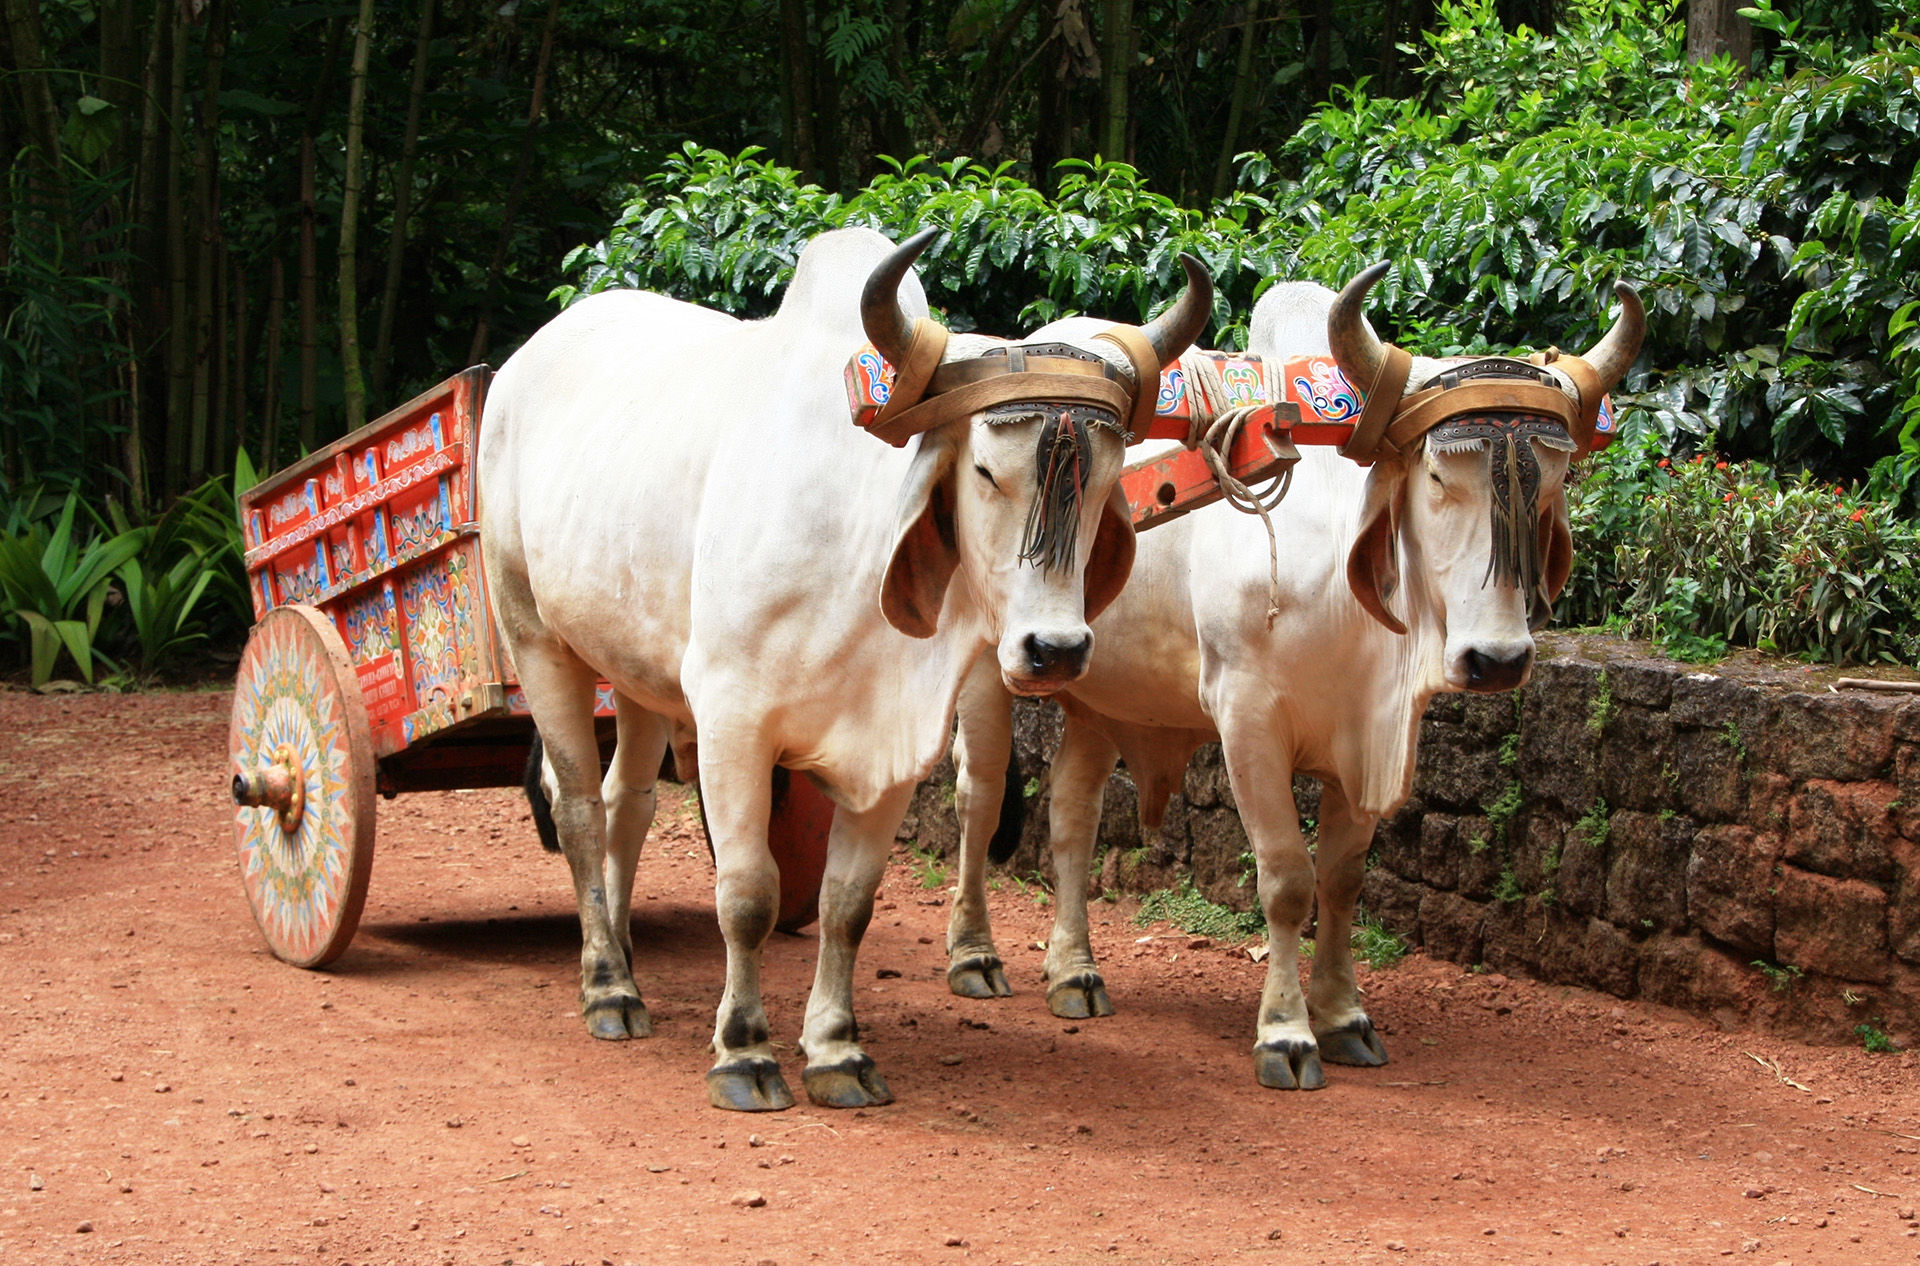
[[1213, 430]]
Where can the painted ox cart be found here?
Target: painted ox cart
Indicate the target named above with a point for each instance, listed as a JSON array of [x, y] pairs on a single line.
[[375, 667]]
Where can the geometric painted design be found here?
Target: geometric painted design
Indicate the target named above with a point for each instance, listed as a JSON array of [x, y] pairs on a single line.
[[296, 687]]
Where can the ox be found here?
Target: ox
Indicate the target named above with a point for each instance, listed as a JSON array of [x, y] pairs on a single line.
[[1328, 680], [675, 500]]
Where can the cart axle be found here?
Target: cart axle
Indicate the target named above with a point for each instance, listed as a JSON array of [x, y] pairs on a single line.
[[277, 786]]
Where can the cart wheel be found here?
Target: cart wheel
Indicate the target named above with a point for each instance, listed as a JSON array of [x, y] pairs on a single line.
[[797, 834], [303, 778]]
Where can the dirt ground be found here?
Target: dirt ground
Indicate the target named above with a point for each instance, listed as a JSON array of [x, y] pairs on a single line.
[[172, 1093]]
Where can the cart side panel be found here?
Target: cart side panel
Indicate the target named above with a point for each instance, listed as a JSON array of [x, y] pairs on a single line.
[[378, 530]]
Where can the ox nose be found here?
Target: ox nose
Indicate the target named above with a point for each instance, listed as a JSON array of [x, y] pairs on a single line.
[[1496, 669], [1055, 657]]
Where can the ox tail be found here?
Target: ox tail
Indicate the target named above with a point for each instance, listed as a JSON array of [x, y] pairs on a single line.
[[537, 797], [1013, 815]]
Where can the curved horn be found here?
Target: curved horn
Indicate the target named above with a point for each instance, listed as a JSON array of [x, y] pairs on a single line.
[[1357, 349], [1614, 354], [1174, 330], [888, 328]]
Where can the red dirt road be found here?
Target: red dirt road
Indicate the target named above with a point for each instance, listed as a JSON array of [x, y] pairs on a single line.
[[174, 1094]]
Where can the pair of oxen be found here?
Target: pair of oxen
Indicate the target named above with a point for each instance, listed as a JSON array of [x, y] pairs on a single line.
[[676, 501]]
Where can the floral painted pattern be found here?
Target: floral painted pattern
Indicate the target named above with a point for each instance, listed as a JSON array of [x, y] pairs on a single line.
[[300, 884]]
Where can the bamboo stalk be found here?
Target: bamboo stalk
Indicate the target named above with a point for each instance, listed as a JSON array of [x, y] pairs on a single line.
[[276, 323], [402, 202], [353, 386]]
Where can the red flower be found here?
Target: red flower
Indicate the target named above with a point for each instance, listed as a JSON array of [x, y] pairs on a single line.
[[1663, 463], [1858, 515], [1719, 465], [1730, 496]]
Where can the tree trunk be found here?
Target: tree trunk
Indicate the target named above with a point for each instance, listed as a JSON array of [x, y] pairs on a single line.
[[895, 133], [309, 304], [309, 220], [828, 138], [796, 59], [270, 408], [1715, 27], [992, 82], [1242, 95], [1116, 62], [179, 333], [353, 387], [477, 352], [237, 375], [206, 200], [402, 202], [35, 87]]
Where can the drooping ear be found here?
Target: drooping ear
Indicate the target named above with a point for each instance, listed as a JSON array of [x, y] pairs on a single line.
[[925, 547], [1373, 564], [1110, 561], [1556, 558]]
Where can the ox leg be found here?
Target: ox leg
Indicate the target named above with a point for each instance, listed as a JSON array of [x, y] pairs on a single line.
[[1285, 1056], [737, 793], [629, 793], [1075, 990], [980, 752], [839, 1073], [1340, 1023], [560, 690]]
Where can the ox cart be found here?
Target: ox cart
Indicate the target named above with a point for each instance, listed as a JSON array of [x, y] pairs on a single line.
[[375, 666]]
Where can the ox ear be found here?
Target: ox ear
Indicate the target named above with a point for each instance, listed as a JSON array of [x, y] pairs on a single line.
[[1556, 560], [1110, 561], [1373, 564], [925, 546]]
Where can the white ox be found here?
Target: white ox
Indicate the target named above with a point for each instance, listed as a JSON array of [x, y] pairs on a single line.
[[677, 501], [1188, 655]]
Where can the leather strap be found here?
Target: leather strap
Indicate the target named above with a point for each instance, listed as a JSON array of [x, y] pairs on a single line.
[[1146, 373], [980, 368], [973, 397], [912, 378], [1421, 412], [1587, 382], [1382, 403]]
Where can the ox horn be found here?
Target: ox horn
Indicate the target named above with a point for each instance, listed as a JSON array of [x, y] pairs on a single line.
[[1614, 354], [888, 328], [1356, 348], [1174, 330]]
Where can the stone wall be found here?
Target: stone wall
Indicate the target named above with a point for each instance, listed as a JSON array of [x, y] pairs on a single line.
[[1623, 824]]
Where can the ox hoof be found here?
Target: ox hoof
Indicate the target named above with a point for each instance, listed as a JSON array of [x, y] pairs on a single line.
[[748, 1085], [617, 1019], [979, 976], [1288, 1066], [1352, 1043], [852, 1083], [1081, 996]]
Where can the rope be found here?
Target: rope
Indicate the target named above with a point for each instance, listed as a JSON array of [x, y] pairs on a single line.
[[1212, 431]]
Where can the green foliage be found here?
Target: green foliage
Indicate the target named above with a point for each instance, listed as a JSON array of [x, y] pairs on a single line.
[[1510, 750], [1601, 711], [929, 868], [1507, 888], [1374, 945], [1874, 1039], [1187, 909], [54, 585], [1595, 826], [1701, 555], [1782, 976], [1504, 810]]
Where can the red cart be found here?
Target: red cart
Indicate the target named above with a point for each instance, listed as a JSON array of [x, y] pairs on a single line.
[[375, 666]]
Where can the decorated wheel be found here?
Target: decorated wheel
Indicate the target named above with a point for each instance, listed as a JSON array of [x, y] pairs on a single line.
[[303, 781], [797, 833]]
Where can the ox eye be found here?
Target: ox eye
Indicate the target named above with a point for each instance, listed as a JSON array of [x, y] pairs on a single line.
[[987, 475]]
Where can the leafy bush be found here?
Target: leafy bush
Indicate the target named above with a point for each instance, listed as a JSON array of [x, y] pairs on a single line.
[[1705, 554], [1189, 910]]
